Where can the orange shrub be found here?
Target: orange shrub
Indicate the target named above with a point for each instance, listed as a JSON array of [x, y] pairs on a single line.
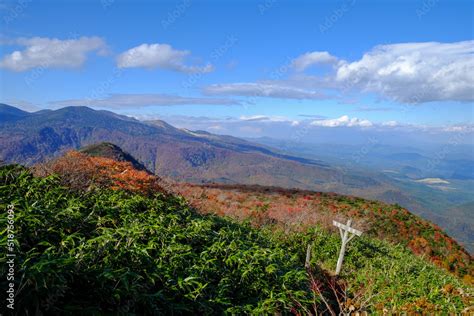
[[82, 172]]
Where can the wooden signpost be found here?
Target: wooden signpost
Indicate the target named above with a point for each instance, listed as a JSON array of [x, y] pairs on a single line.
[[347, 233]]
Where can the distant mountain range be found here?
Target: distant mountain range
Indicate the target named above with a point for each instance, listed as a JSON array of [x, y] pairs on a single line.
[[189, 156], [192, 156]]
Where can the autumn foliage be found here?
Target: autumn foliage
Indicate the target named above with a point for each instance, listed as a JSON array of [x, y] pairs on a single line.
[[294, 210], [297, 210], [82, 172]]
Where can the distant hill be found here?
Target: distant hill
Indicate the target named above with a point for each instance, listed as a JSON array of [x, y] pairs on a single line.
[[9, 113], [192, 156], [109, 150]]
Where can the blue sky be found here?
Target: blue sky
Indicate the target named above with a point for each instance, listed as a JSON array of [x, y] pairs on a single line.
[[325, 64]]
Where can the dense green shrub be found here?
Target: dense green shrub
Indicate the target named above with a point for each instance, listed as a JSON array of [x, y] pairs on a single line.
[[114, 251]]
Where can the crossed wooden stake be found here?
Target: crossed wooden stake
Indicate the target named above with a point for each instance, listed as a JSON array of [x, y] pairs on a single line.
[[347, 233]]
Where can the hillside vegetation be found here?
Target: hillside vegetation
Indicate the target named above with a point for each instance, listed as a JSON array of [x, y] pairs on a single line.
[[115, 246], [299, 210], [115, 251]]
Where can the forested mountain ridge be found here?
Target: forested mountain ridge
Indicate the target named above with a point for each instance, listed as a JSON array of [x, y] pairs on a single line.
[[183, 155]]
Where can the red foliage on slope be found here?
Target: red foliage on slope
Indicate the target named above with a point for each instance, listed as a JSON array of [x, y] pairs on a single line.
[[82, 172], [298, 210]]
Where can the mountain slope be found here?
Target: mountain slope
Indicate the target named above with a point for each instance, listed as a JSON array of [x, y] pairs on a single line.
[[112, 252], [116, 251], [168, 151], [109, 150], [9, 113], [296, 210]]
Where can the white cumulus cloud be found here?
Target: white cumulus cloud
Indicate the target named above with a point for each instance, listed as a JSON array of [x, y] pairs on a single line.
[[461, 129], [159, 56], [343, 121], [414, 72], [313, 58], [51, 53], [409, 73]]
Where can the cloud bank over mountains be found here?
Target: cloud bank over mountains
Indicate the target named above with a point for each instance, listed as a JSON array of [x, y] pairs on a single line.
[[284, 127], [342, 121]]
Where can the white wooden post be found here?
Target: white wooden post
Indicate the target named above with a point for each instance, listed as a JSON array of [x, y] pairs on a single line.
[[347, 233], [307, 263]]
